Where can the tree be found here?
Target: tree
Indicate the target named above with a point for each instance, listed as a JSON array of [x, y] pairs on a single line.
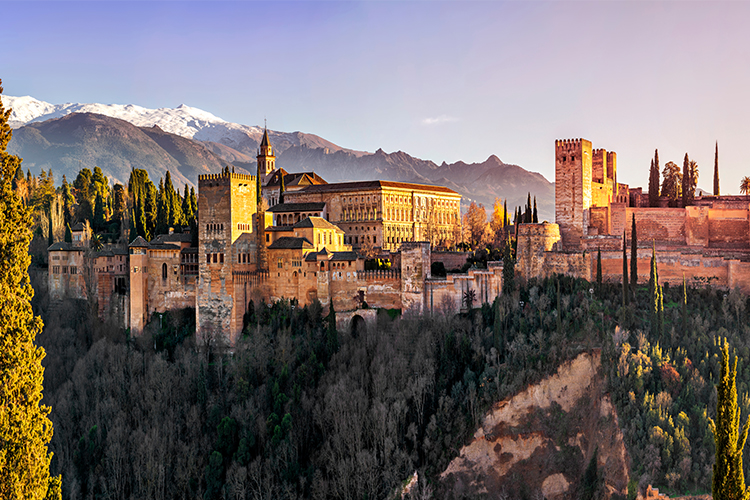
[[729, 480], [633, 257], [509, 268], [653, 181], [598, 269], [25, 428], [332, 336], [653, 291], [716, 170], [745, 185], [685, 180], [692, 180], [535, 215], [671, 186], [475, 221], [498, 218], [625, 289]]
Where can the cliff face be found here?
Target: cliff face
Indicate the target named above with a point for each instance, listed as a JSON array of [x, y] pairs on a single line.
[[543, 439]]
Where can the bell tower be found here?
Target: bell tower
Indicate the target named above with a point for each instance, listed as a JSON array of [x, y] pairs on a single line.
[[266, 158]]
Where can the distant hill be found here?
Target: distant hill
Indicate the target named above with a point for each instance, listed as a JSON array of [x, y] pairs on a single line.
[[189, 142]]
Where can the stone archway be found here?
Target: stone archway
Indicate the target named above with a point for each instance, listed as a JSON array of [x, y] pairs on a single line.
[[358, 326]]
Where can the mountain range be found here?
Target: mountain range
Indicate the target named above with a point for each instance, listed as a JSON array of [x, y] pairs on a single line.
[[188, 142]]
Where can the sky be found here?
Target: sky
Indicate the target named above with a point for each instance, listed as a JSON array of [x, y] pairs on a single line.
[[440, 80]]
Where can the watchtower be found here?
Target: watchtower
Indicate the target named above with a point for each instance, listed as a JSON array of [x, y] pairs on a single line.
[[573, 174], [227, 203]]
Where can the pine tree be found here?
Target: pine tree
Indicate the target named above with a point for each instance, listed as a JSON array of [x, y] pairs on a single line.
[[729, 479], [25, 428], [716, 170], [625, 288], [535, 217], [599, 268], [633, 257]]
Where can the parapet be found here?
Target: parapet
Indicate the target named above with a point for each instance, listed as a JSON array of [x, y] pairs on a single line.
[[543, 229], [225, 176], [569, 144]]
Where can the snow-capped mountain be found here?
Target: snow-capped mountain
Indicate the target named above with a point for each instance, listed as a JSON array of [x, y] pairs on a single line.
[[185, 121]]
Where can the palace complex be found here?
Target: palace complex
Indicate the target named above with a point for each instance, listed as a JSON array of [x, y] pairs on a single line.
[[278, 234]]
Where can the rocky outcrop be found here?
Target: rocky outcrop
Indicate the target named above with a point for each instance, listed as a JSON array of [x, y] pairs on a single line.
[[541, 440]]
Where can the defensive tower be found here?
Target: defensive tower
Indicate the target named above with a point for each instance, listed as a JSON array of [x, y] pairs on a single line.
[[227, 203], [573, 175]]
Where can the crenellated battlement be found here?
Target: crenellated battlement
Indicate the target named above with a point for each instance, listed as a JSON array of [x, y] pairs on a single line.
[[568, 144], [225, 176]]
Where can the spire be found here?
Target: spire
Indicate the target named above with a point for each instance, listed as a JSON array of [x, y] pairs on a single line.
[[264, 142]]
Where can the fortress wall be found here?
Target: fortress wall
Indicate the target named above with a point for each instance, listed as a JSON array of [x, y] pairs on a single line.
[[447, 295], [662, 225], [728, 228], [698, 269], [571, 264], [599, 221], [739, 275], [534, 241], [697, 226], [451, 260], [382, 292]]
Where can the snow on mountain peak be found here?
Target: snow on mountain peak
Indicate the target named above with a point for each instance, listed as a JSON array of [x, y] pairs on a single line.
[[183, 120]]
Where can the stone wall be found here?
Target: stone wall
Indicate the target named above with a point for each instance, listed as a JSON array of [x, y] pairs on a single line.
[[534, 241], [451, 260]]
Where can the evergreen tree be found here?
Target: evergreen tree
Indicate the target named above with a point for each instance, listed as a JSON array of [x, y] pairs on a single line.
[[729, 479], [509, 268], [653, 181], [527, 216], [25, 428], [193, 202], [51, 233], [633, 257], [99, 219], [686, 181], [716, 170], [68, 200], [68, 234], [332, 336], [187, 207], [625, 288], [506, 217], [535, 218], [599, 268], [684, 306], [653, 292], [660, 313]]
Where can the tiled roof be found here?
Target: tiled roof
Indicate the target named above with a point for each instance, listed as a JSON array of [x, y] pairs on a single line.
[[318, 222], [293, 179], [64, 246], [364, 185], [139, 242], [344, 256], [298, 207], [290, 242]]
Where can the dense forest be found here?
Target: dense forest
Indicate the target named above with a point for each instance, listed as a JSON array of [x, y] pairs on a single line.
[[300, 410]]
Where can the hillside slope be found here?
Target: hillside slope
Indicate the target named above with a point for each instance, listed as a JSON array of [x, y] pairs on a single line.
[[542, 440]]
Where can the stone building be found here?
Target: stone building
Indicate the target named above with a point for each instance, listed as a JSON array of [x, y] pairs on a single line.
[[708, 242], [250, 246]]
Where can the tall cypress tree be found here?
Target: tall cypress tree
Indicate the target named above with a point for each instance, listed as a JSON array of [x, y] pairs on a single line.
[[25, 429], [684, 305], [535, 216], [654, 182], [729, 478], [625, 288], [716, 170], [633, 257], [599, 268], [506, 217], [653, 292], [685, 181]]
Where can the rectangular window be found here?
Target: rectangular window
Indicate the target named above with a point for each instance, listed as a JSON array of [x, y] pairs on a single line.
[[55, 269], [280, 263], [221, 258], [73, 270], [215, 257], [208, 258], [65, 269]]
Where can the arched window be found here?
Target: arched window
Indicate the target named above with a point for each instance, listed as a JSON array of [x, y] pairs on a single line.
[[164, 271]]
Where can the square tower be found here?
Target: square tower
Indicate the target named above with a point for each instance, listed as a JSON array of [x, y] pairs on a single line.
[[573, 174], [227, 203]]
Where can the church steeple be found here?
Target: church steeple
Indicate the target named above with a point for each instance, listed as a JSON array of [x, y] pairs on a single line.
[[266, 158]]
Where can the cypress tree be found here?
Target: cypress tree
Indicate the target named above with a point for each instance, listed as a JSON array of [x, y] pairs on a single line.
[[535, 216], [527, 216], [332, 337], [653, 291], [50, 236], [68, 234], [99, 219], [654, 182], [506, 217], [633, 257], [599, 268], [729, 479], [509, 268], [716, 170], [625, 288], [25, 429], [660, 312], [684, 305], [685, 181]]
